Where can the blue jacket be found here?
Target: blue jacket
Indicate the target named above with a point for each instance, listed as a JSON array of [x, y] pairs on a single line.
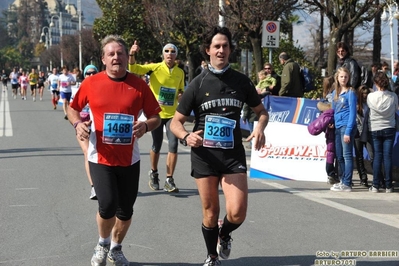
[[345, 111]]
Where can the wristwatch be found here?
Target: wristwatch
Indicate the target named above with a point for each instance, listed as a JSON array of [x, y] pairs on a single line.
[[183, 141]]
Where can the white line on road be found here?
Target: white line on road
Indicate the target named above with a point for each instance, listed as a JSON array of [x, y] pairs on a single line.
[[391, 220], [30, 259], [5, 117], [23, 205]]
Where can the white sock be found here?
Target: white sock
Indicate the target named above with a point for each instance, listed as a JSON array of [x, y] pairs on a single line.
[[105, 241], [114, 244]]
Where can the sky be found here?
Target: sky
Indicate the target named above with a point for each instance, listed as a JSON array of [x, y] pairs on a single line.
[[301, 33]]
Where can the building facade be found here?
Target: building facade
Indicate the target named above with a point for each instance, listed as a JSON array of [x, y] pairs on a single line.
[[47, 20]]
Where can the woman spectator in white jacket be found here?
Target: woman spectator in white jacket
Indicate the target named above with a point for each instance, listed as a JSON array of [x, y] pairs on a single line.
[[383, 105]]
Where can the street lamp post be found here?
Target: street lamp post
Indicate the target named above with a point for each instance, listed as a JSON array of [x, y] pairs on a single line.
[[48, 41], [60, 27], [80, 33], [44, 34], [393, 13]]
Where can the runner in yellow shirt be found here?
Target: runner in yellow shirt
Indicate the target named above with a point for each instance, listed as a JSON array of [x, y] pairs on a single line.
[[167, 84], [33, 78]]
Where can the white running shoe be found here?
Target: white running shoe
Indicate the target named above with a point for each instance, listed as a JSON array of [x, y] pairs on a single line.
[[100, 255], [212, 261], [116, 257]]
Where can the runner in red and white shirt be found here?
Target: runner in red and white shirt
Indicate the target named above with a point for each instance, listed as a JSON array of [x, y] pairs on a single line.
[[116, 98]]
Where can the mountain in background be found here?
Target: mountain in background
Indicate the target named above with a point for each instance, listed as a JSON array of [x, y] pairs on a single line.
[[90, 8]]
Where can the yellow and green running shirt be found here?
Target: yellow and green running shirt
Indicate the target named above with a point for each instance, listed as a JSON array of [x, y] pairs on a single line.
[[33, 77], [165, 83]]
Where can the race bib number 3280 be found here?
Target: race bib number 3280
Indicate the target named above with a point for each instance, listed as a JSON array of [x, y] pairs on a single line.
[[118, 129], [219, 132]]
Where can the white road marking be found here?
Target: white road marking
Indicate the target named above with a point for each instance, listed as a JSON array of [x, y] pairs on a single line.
[[320, 197], [5, 117], [24, 205], [30, 259]]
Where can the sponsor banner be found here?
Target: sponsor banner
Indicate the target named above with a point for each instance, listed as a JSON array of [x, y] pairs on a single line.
[[290, 152]]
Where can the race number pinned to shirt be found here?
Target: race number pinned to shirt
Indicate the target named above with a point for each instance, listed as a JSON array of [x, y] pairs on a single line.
[[118, 129], [218, 132], [167, 96]]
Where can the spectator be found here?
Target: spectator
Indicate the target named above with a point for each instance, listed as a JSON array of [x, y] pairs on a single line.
[[375, 68], [290, 77], [345, 60], [331, 168], [383, 105], [201, 68], [167, 84], [116, 99], [361, 111], [385, 69], [328, 87], [266, 81], [395, 79], [344, 105], [268, 67]]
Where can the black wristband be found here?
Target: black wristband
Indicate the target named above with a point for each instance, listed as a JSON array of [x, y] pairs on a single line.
[[131, 54], [146, 127], [76, 124]]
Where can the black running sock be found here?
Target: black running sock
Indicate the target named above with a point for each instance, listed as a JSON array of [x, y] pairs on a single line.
[[227, 228], [211, 239]]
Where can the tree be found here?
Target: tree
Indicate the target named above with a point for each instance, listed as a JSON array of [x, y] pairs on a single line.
[[4, 39], [125, 18], [182, 23], [377, 37], [11, 57], [70, 48], [247, 16], [343, 16], [91, 51]]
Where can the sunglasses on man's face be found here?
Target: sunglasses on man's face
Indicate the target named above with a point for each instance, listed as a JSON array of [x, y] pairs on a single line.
[[267, 68], [91, 73], [169, 51]]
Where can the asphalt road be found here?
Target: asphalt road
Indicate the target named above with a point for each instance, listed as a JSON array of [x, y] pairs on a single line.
[[46, 217]]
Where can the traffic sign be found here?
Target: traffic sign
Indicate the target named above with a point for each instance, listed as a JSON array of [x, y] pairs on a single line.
[[270, 34]]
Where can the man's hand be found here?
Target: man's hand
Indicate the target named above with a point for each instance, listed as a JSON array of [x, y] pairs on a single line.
[[134, 49]]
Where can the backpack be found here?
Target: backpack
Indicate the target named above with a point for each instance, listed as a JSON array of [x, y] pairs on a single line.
[[307, 79]]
